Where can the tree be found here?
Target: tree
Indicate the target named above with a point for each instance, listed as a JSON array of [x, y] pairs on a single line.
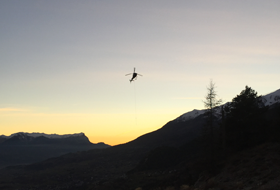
[[245, 119], [211, 104]]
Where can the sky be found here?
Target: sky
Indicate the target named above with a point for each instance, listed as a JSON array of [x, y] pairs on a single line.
[[63, 63]]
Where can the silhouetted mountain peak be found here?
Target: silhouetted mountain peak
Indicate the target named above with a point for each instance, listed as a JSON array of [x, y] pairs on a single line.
[[51, 136], [24, 148], [23, 138]]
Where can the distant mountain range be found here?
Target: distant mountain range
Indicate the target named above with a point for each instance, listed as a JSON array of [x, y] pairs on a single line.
[[25, 148], [51, 136], [22, 138]]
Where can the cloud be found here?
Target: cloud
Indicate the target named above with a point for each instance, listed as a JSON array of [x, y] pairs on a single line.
[[11, 110]]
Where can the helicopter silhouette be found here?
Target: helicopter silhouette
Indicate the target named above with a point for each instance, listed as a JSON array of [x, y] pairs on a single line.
[[134, 75]]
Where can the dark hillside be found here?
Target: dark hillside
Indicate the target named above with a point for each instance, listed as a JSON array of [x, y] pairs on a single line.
[[22, 148], [175, 133], [96, 166], [74, 170], [255, 168]]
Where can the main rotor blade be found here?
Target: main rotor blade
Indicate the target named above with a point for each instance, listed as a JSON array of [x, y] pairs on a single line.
[[139, 74], [129, 74]]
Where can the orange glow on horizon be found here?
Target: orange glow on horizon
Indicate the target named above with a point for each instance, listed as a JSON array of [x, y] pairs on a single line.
[[112, 129]]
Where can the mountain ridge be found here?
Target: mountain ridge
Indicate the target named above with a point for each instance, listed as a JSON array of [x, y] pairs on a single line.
[[35, 134], [27, 148], [185, 128], [268, 100]]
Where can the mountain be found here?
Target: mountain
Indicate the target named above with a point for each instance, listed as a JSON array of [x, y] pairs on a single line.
[[27, 148], [22, 138], [271, 98], [128, 166], [174, 133], [268, 100]]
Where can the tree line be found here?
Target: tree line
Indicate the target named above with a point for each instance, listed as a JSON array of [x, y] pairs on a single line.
[[242, 123]]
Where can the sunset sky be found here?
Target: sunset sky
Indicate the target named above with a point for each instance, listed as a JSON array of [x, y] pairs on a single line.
[[63, 63]]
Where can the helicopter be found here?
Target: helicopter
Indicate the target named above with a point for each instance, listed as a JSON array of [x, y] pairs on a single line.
[[134, 75]]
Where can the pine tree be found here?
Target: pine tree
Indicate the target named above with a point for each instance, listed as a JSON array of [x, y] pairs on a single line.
[[211, 104], [245, 119]]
